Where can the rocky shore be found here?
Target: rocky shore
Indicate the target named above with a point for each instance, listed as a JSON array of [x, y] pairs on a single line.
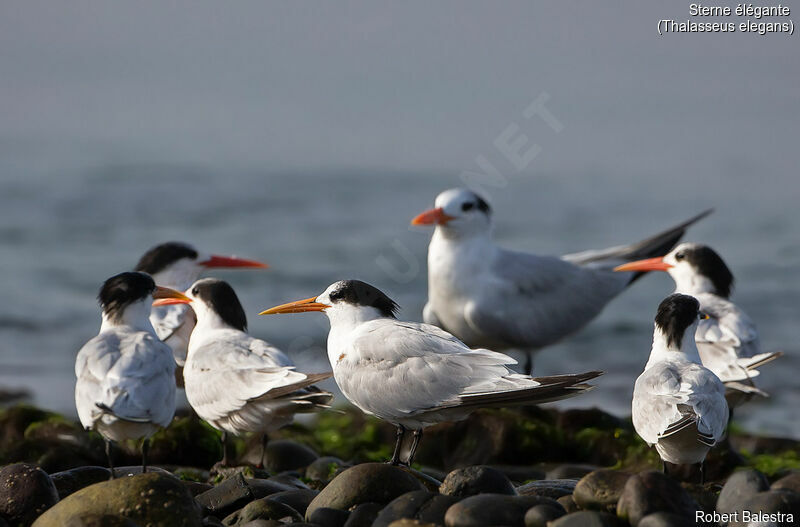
[[525, 467]]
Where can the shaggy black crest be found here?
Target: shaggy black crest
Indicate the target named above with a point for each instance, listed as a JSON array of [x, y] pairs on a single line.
[[362, 294], [161, 256], [222, 299], [123, 289], [709, 264], [482, 205], [676, 313]]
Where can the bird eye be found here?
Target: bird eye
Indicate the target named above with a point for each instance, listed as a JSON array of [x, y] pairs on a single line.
[[336, 295], [680, 256], [703, 316], [195, 291], [467, 206]]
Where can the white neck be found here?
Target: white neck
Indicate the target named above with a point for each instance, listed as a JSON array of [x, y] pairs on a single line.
[[691, 283], [180, 275], [661, 351], [135, 316], [345, 319], [207, 319]]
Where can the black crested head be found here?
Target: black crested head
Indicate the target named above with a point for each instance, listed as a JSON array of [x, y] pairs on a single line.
[[480, 203], [362, 294], [162, 256], [120, 291], [708, 263], [675, 314], [221, 297]]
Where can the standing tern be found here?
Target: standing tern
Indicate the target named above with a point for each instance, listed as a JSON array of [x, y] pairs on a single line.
[[727, 340], [177, 265], [415, 375], [126, 387], [238, 383], [500, 299], [679, 405]]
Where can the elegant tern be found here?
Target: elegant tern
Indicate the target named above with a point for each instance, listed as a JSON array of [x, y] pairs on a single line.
[[500, 299], [238, 383], [727, 340], [125, 375], [177, 265], [414, 375], [678, 405]]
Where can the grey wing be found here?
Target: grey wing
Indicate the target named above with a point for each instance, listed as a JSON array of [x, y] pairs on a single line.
[[725, 338], [92, 364], [535, 301]]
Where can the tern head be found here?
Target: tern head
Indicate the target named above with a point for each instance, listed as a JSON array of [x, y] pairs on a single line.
[[458, 212], [352, 297], [214, 301], [677, 319], [695, 268], [133, 289], [178, 264]]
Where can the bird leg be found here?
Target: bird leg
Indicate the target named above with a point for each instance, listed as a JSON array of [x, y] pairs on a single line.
[[664, 467], [264, 440], [108, 456], [529, 363], [401, 432], [702, 474], [145, 450], [414, 445], [224, 440]]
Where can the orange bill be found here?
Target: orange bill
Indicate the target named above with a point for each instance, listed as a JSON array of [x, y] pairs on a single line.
[[649, 264], [299, 306], [432, 217], [231, 261], [164, 296]]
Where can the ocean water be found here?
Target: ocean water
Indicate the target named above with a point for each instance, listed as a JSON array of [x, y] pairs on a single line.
[[64, 229]]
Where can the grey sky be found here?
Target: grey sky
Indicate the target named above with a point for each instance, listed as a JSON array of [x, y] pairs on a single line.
[[400, 85]]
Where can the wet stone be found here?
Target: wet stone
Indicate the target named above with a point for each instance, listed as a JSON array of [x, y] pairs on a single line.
[[478, 479], [283, 454], [263, 509], [539, 515], [102, 520], [492, 509], [296, 499], [75, 479], [427, 507], [327, 517], [570, 471], [520, 475], [648, 492], [788, 482], [363, 515], [662, 519], [236, 492], [600, 490], [324, 469], [770, 502], [26, 491], [586, 519], [568, 502], [368, 482], [548, 488], [740, 486]]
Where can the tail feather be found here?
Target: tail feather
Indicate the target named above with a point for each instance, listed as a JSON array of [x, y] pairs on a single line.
[[107, 410], [550, 389], [759, 360], [311, 378]]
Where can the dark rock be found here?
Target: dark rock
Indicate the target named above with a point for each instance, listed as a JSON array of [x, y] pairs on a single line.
[[539, 515], [763, 445], [264, 523], [296, 499], [492, 509], [478, 479], [585, 519], [75, 479], [368, 482], [407, 522], [8, 395], [427, 507], [26, 491], [282, 454], [705, 495], [219, 472], [770, 502], [324, 468], [548, 488], [236, 492], [15, 420], [662, 519], [289, 479], [147, 499], [740, 486], [328, 517], [363, 515], [263, 509], [648, 492], [520, 474], [600, 490], [428, 482], [788, 482], [196, 487], [187, 441], [56, 444], [212, 521], [568, 502], [101, 520], [578, 419], [570, 471], [135, 470]]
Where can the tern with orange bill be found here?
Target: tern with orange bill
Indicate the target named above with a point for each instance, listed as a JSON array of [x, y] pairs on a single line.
[[500, 299], [177, 265], [415, 375], [238, 383], [727, 340], [125, 375]]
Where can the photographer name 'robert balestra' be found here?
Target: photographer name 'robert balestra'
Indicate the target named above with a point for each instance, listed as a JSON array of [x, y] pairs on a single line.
[[745, 516]]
